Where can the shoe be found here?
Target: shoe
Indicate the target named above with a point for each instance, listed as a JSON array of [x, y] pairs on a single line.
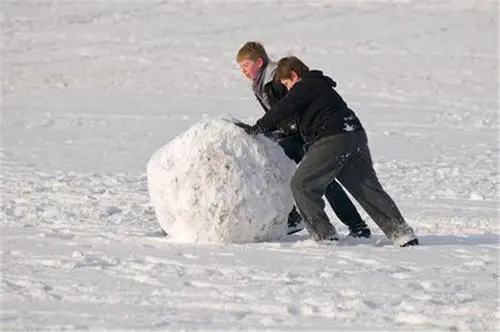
[[360, 230], [413, 242], [326, 239], [296, 228], [405, 237], [327, 234], [295, 222], [334, 237], [321, 229]]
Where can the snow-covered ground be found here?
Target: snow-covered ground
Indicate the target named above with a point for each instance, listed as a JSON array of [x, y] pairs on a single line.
[[92, 88]]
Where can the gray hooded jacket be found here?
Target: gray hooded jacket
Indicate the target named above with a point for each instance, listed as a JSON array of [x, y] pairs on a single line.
[[265, 76]]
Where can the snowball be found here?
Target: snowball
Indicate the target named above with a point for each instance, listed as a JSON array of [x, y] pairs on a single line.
[[215, 183]]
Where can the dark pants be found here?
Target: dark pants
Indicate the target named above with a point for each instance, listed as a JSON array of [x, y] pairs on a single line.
[[345, 210], [345, 157]]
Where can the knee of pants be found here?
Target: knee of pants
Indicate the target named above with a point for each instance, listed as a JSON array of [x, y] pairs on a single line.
[[297, 183]]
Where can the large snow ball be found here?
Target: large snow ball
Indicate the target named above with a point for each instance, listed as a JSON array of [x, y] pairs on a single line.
[[215, 183]]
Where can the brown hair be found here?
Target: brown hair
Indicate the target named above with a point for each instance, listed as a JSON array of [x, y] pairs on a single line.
[[287, 65], [252, 50]]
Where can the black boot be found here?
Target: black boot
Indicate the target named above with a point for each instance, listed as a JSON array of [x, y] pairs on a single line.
[[295, 223], [321, 229], [360, 230], [410, 243]]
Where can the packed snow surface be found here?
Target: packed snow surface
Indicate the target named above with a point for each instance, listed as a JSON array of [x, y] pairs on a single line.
[[91, 89]]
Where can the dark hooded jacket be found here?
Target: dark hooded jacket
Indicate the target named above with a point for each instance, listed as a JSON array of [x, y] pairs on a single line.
[[317, 109], [268, 93]]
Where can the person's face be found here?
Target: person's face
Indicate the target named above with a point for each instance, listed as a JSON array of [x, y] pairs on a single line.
[[290, 82], [250, 68]]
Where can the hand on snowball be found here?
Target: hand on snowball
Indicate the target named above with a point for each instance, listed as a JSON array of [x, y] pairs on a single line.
[[250, 130], [254, 130], [243, 125]]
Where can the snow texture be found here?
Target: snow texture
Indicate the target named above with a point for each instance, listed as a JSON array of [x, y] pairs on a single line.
[[215, 183], [91, 89]]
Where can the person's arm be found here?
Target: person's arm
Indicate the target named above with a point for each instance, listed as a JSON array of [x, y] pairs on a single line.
[[262, 105], [297, 99], [277, 91]]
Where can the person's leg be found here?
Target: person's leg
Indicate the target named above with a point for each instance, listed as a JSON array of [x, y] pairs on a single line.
[[294, 221], [293, 148], [342, 206], [362, 182], [345, 210], [323, 160]]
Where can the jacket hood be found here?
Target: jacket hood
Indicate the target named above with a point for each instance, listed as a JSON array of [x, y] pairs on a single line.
[[266, 75], [318, 74]]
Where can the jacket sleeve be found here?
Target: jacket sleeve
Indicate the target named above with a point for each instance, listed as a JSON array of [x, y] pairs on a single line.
[[277, 92], [262, 105], [294, 102]]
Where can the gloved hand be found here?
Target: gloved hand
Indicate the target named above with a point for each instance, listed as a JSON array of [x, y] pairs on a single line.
[[250, 130], [242, 125], [254, 130]]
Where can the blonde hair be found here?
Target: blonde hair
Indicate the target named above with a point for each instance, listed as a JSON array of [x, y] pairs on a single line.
[[252, 50]]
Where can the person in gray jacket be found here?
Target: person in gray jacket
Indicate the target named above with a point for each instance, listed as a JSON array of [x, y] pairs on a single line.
[[260, 70], [337, 148]]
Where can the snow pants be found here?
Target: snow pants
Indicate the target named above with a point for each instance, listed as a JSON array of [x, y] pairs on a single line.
[[341, 204], [345, 157]]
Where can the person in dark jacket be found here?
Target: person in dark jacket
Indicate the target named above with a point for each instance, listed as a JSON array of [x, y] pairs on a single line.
[[256, 65], [337, 148]]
